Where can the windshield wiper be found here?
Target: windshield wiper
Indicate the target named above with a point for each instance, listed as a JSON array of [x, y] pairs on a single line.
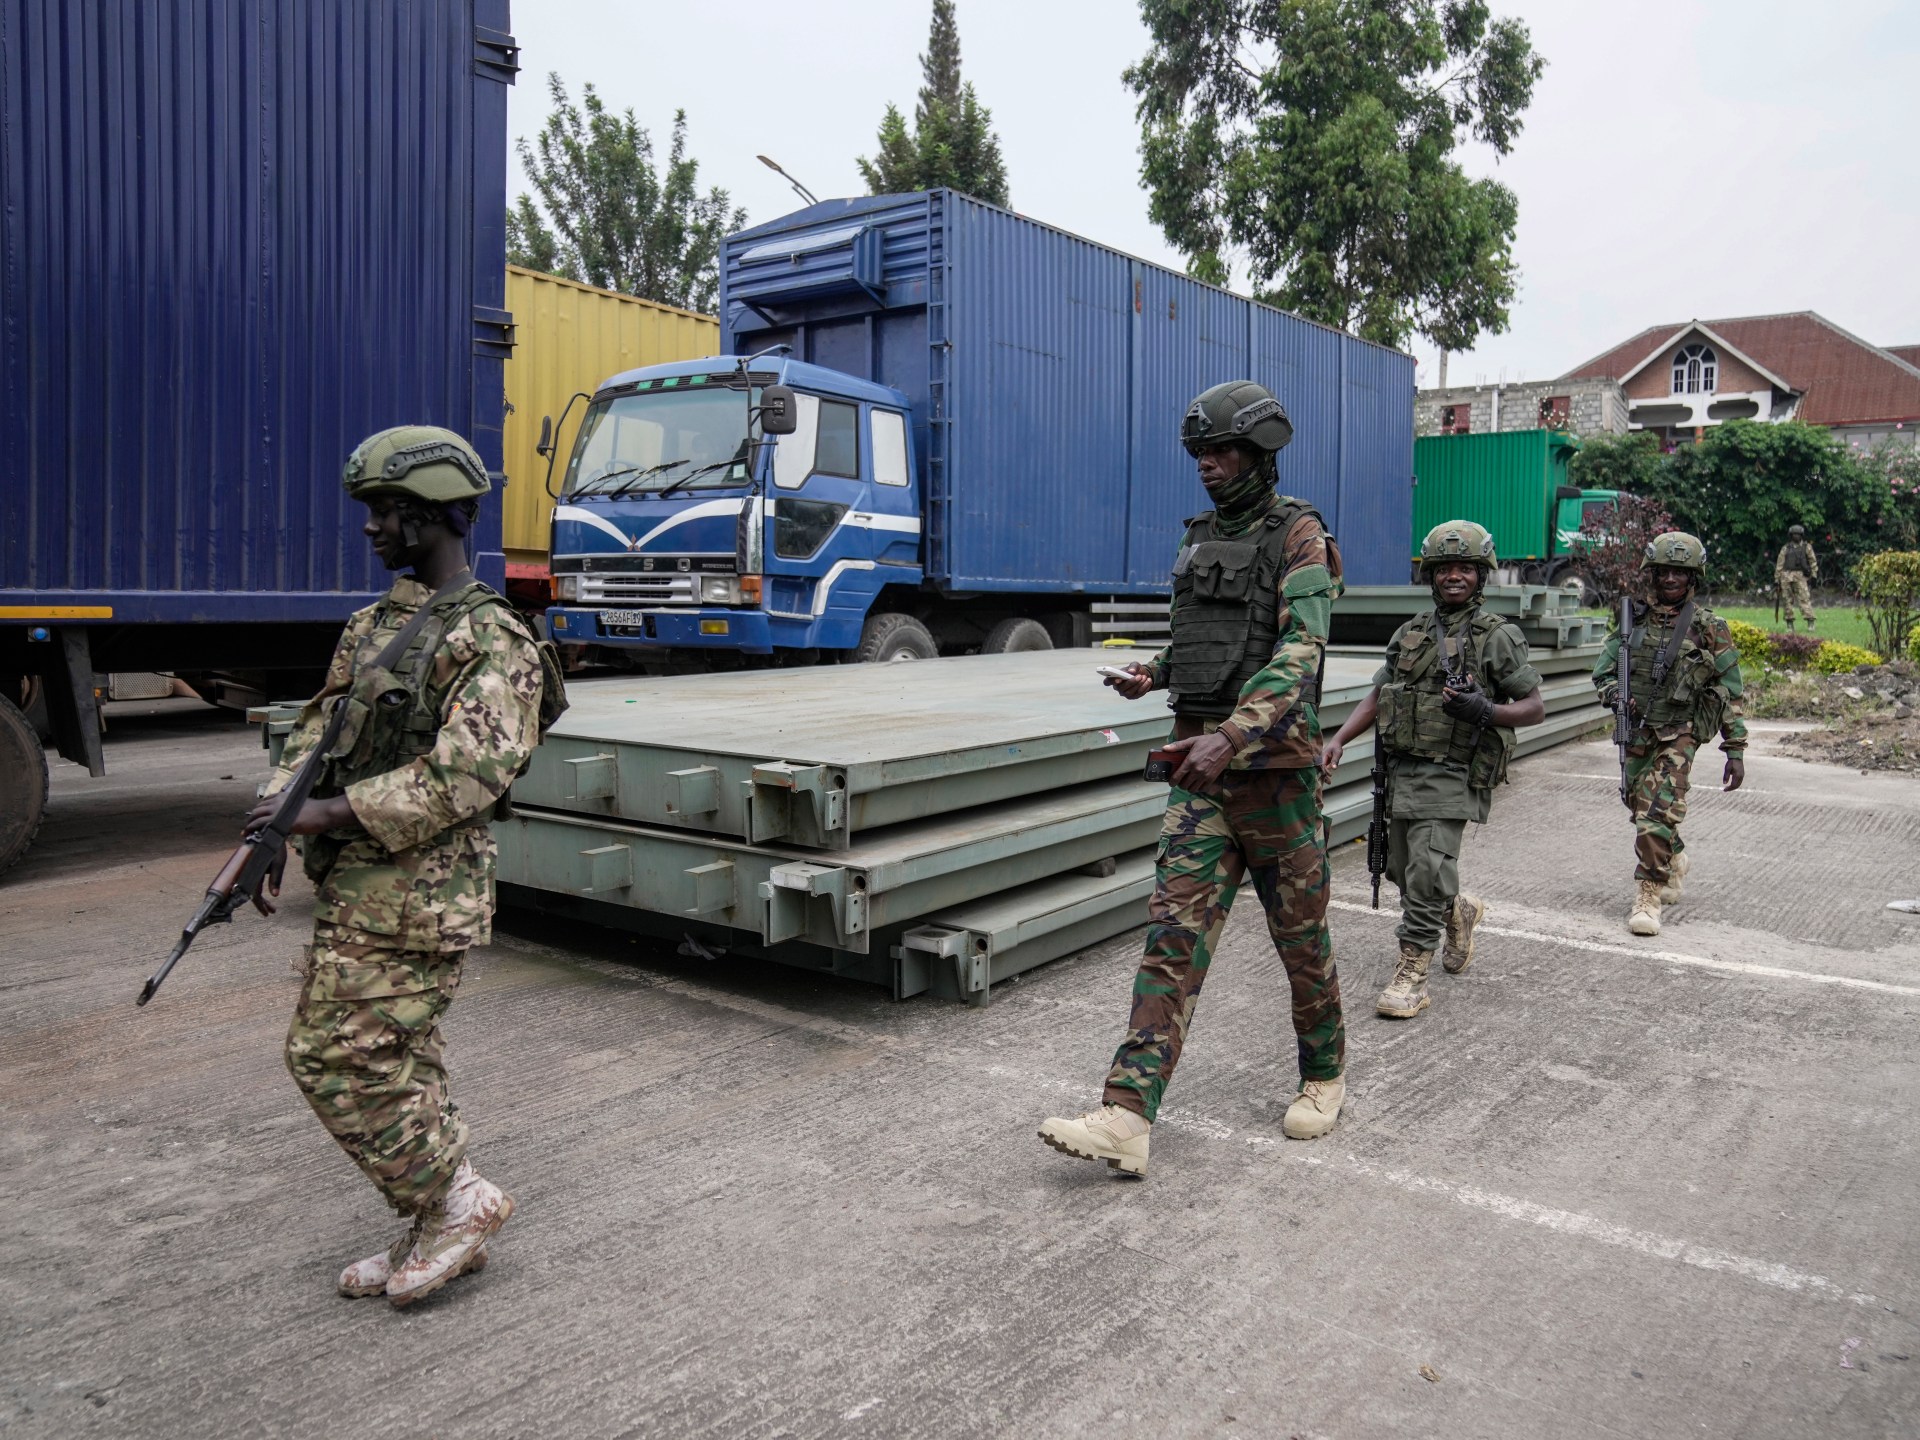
[[648, 474], [692, 475], [617, 467]]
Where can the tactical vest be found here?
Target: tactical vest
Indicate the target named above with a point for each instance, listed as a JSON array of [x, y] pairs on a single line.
[[1688, 697], [393, 715], [1796, 557], [1226, 611], [1411, 720]]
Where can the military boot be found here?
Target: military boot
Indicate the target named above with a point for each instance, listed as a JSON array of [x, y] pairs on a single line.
[[1112, 1133], [452, 1237], [1676, 872], [366, 1278], [1645, 919], [1406, 994], [1315, 1108], [1462, 920]]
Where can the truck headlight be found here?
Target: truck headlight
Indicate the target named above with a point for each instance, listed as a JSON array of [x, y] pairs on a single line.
[[720, 590], [566, 588]]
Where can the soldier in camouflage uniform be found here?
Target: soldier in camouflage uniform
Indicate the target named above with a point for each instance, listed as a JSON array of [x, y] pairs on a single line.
[[1455, 684], [1795, 571], [401, 857], [1253, 589], [1684, 687]]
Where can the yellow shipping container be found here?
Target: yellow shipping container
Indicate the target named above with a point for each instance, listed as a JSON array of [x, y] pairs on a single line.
[[569, 337]]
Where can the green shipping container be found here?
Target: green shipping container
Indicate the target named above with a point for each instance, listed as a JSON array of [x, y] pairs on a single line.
[[1507, 481]]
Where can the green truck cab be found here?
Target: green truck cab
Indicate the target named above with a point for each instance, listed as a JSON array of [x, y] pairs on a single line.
[[1515, 483]]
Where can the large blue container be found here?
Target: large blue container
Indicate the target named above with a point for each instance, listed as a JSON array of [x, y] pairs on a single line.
[[236, 236], [1049, 376]]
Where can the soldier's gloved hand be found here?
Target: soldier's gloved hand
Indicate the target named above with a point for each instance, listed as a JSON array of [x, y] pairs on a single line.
[[1735, 775], [1468, 704]]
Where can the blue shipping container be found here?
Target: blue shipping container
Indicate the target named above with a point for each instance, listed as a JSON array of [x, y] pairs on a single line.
[[1030, 354], [236, 236]]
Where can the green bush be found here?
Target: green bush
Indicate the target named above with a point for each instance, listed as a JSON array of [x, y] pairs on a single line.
[[1889, 586], [1913, 644], [1835, 657], [1751, 642]]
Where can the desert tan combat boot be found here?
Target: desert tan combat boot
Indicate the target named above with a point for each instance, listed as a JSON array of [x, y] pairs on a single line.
[[1645, 919], [453, 1238], [1315, 1108], [1465, 916], [1406, 994], [366, 1278], [1112, 1133], [1676, 872]]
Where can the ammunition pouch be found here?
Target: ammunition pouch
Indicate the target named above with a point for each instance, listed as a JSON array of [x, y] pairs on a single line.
[[1412, 718]]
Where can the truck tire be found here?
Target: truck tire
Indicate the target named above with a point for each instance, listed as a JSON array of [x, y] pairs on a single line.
[[1018, 634], [23, 784], [888, 637]]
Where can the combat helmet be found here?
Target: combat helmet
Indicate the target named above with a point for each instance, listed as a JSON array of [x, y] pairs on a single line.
[[423, 462], [1237, 412], [1796, 530], [1458, 540], [1677, 550]]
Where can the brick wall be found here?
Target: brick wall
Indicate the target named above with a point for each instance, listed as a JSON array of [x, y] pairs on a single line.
[[1594, 407]]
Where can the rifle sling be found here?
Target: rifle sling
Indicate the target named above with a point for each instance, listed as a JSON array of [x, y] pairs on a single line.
[[301, 786], [1663, 663]]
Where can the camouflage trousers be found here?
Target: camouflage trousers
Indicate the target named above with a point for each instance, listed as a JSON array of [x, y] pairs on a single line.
[[1657, 776], [1258, 825], [365, 1049], [1796, 595], [1423, 859]]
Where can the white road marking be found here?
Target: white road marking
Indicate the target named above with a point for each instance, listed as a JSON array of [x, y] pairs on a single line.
[[1667, 957], [1510, 1207]]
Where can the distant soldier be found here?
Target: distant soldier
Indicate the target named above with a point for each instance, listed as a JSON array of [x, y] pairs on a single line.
[[1253, 589], [1795, 572], [401, 857], [1684, 688], [1455, 684]]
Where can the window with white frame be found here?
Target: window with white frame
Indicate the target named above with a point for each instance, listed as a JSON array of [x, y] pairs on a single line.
[[1695, 369]]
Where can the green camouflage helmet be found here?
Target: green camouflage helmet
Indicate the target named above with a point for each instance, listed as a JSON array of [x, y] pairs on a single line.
[[423, 461], [1458, 540], [1238, 412], [1796, 529], [1677, 550]]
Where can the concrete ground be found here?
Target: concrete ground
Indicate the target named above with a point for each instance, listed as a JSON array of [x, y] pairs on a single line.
[[1605, 1187]]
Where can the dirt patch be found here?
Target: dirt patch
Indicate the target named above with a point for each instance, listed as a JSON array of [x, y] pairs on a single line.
[[1870, 717]]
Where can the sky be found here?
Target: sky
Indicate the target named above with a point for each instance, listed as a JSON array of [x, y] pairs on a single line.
[[1686, 159]]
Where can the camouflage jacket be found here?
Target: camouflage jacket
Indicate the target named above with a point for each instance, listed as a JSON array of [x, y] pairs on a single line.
[[416, 873], [1267, 730], [1716, 704]]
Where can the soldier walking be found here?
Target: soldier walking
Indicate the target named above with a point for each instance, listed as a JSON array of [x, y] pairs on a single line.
[[1455, 684], [1795, 572], [400, 855], [1683, 688], [1253, 589]]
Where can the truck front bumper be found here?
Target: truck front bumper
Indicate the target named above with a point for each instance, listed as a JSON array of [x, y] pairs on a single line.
[[709, 627]]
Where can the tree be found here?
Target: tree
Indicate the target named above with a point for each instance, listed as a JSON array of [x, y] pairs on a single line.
[[1631, 463], [1314, 141], [1614, 538], [608, 217], [952, 141]]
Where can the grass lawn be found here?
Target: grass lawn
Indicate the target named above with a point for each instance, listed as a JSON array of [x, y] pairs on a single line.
[[1838, 622]]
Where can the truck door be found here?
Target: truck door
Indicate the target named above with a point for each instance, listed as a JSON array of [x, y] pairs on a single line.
[[841, 517]]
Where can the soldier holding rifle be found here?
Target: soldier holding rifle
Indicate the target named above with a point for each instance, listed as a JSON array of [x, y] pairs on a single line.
[[1455, 684]]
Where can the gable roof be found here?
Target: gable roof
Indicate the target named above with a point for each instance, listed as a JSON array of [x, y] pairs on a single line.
[[1694, 327], [1844, 380]]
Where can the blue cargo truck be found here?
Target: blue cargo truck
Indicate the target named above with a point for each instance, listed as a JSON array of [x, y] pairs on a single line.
[[236, 236], [984, 416]]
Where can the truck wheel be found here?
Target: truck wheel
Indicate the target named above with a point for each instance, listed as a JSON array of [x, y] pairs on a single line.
[[1018, 634], [23, 784], [888, 637]]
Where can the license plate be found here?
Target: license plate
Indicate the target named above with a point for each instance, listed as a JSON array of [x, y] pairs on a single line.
[[624, 619]]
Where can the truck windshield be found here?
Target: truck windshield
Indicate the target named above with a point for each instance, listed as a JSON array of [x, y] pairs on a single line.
[[685, 438]]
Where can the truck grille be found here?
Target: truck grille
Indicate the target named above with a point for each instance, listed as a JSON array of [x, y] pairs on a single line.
[[638, 590]]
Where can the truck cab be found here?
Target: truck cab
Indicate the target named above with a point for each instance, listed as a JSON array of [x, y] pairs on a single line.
[[683, 527]]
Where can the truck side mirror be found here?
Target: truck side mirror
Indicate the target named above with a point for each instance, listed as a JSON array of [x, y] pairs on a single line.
[[545, 447], [779, 412]]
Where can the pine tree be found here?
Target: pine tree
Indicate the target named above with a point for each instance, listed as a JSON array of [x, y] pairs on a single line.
[[952, 141]]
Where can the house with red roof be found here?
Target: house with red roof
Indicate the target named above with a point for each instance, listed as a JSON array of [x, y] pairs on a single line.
[[1678, 379]]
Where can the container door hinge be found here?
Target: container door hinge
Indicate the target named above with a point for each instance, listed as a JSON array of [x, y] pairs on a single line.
[[496, 55], [492, 332]]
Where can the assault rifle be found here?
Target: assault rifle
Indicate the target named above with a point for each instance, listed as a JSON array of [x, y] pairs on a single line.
[[247, 869], [1377, 826], [1623, 692]]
